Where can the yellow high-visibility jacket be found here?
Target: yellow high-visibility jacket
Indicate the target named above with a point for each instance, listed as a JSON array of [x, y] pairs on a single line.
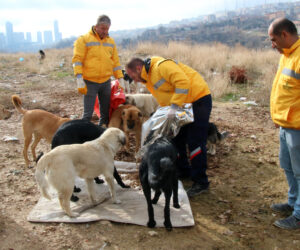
[[96, 59], [285, 94], [173, 83]]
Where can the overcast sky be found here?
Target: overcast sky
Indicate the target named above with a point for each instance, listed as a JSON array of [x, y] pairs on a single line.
[[77, 16]]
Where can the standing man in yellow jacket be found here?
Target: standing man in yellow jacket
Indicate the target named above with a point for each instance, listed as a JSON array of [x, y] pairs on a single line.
[[173, 84], [285, 113], [95, 60]]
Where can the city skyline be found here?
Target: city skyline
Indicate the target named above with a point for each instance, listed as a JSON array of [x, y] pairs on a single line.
[[77, 18], [13, 41]]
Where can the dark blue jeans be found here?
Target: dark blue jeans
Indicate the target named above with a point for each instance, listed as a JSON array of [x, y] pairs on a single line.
[[289, 157], [194, 135]]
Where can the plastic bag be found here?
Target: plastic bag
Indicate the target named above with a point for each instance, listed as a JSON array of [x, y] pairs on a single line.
[[117, 97], [158, 125]]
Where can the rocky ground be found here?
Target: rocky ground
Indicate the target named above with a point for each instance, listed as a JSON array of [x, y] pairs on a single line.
[[245, 179]]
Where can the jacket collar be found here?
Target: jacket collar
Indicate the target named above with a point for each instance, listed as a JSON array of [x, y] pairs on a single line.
[[290, 50], [144, 74], [96, 34]]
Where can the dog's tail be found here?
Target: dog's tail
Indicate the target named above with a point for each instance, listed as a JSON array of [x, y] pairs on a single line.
[[40, 177], [18, 104], [166, 164], [155, 177]]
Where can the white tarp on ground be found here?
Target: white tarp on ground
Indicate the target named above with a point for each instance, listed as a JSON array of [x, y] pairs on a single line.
[[133, 208]]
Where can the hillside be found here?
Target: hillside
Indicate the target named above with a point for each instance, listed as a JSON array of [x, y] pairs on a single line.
[[248, 31], [244, 174]]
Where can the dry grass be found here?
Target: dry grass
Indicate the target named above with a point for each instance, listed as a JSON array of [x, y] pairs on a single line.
[[54, 60], [214, 61]]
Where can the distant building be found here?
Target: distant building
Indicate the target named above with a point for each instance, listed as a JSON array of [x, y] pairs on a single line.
[[2, 41], [39, 37], [57, 34], [9, 33], [28, 37], [274, 15], [18, 37], [48, 37], [210, 18]]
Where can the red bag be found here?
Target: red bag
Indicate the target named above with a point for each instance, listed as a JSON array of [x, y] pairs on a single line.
[[117, 97]]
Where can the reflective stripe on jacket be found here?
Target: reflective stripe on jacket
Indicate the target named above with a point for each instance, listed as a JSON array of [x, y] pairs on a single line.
[[96, 59], [285, 94], [171, 82]]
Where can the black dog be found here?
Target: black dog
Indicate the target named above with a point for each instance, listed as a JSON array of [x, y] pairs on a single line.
[[42, 55], [158, 172], [80, 131], [214, 137]]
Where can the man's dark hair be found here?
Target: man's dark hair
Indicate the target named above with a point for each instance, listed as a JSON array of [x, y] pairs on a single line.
[[134, 62], [284, 24]]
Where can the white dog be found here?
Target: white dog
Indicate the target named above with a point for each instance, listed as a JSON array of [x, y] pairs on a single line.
[[146, 103], [86, 160]]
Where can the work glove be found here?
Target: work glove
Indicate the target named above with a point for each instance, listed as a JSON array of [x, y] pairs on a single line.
[[122, 83], [172, 112], [81, 86]]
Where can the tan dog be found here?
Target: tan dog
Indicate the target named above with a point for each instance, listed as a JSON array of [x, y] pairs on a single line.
[[87, 160], [39, 123], [128, 118]]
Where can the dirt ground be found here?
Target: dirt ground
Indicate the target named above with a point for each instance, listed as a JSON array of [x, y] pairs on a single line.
[[244, 174]]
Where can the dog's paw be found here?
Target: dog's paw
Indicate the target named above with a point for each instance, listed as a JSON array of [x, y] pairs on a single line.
[[117, 201], [98, 180], [151, 223], [154, 201], [168, 226], [74, 214], [76, 189], [74, 198], [176, 205]]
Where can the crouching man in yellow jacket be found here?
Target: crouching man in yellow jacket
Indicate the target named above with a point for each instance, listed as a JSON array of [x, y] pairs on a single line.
[[95, 60], [285, 112], [173, 84]]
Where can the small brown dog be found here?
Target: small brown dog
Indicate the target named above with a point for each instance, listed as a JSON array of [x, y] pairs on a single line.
[[39, 123], [129, 119]]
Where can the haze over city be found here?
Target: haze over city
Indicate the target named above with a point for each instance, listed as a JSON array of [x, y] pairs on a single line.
[[76, 17], [33, 25]]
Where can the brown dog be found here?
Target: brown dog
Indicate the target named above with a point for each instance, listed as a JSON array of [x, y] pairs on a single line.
[[39, 123], [129, 119]]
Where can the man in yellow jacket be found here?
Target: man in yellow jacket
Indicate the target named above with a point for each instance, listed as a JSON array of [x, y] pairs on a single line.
[[173, 84], [285, 113], [95, 60]]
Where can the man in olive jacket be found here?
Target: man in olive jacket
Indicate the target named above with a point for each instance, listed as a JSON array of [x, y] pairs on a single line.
[[173, 84], [95, 60], [285, 113]]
